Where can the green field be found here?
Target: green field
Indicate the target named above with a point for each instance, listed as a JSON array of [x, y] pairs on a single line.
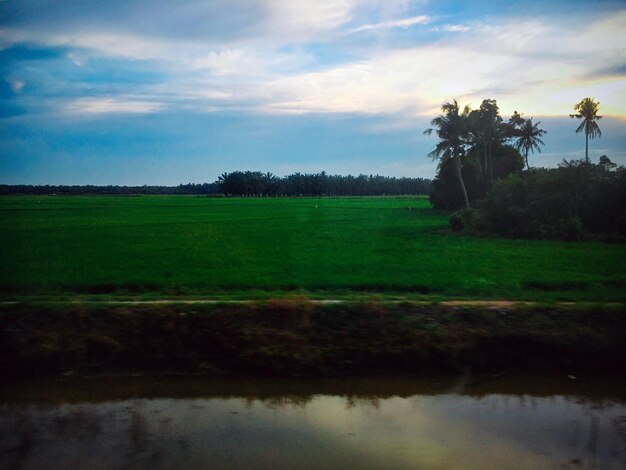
[[179, 246]]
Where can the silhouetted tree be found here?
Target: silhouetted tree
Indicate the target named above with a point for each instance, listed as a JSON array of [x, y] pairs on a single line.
[[587, 110], [486, 132], [516, 120], [529, 138], [485, 156], [451, 127]]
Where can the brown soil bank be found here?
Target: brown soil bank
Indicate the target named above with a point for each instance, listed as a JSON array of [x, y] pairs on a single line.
[[298, 338]]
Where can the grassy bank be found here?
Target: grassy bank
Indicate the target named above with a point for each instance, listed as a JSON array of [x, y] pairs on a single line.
[[184, 247], [297, 338]]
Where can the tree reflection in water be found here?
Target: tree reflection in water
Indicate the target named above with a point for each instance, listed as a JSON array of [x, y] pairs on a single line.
[[406, 425]]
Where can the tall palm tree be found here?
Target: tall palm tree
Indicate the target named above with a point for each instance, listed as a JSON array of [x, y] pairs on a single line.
[[451, 127], [529, 138], [587, 110], [489, 122]]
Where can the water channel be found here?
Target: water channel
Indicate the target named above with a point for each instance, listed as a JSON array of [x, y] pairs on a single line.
[[175, 423]]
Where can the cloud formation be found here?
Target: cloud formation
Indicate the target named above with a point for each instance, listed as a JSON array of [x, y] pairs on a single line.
[[402, 23], [111, 106], [268, 60], [392, 61]]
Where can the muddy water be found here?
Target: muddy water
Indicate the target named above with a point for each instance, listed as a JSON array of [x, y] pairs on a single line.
[[465, 422]]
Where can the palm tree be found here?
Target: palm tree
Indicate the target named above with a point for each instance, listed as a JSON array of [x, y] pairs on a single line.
[[489, 122], [587, 110], [222, 181], [451, 129], [529, 138]]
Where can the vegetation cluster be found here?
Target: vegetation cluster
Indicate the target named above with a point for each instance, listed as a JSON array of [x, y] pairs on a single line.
[[250, 184], [256, 183], [473, 151], [480, 166], [576, 201]]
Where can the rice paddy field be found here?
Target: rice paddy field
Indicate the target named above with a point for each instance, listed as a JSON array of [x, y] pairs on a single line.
[[154, 247]]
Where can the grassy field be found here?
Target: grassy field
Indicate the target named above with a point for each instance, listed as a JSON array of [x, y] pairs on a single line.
[[175, 246]]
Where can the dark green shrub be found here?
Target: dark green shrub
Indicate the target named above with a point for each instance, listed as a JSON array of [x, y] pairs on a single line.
[[467, 219], [571, 229], [567, 203], [456, 222]]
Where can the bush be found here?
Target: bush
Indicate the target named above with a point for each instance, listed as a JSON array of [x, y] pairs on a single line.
[[456, 222], [571, 202], [467, 219], [571, 229]]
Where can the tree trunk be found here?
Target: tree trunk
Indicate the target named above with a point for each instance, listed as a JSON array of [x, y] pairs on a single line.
[[527, 165], [488, 169], [587, 147], [481, 169], [485, 158], [490, 163], [460, 178]]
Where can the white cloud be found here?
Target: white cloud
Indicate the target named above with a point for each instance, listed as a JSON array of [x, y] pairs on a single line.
[[228, 62], [509, 62], [402, 23], [94, 106], [249, 62], [455, 28], [169, 28], [539, 67], [215, 94], [304, 17], [413, 79], [122, 45]]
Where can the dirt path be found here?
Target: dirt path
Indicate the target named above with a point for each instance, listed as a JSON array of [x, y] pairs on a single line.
[[490, 304]]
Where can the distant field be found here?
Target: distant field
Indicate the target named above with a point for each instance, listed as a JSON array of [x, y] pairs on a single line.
[[163, 246]]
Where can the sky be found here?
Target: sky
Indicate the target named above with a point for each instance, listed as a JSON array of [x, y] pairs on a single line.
[[161, 92]]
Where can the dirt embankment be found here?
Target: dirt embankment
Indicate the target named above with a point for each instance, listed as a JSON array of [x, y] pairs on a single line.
[[299, 338]]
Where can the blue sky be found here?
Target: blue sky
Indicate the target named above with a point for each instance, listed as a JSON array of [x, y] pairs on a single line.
[[161, 92]]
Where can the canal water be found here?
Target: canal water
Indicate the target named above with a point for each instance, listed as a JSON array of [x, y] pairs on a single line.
[[379, 423]]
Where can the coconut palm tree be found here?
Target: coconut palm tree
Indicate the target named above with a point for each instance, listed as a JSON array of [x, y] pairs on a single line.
[[587, 110], [529, 138], [489, 122], [451, 127]]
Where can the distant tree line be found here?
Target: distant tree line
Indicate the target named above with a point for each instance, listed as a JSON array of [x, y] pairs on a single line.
[[252, 184], [256, 183], [191, 188]]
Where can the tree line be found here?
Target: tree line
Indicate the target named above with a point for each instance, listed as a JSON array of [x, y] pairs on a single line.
[[251, 184], [74, 190], [256, 183]]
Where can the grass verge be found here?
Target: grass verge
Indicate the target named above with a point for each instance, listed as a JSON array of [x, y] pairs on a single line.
[[299, 338]]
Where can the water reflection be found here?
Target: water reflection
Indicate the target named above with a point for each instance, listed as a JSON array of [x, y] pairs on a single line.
[[367, 423]]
